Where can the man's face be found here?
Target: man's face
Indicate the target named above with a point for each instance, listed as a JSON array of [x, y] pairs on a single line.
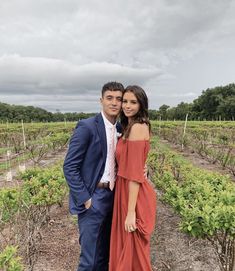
[[111, 103]]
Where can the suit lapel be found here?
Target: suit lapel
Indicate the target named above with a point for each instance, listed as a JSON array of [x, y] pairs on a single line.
[[102, 134]]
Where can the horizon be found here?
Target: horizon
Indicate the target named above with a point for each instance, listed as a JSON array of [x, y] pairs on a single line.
[[90, 112]]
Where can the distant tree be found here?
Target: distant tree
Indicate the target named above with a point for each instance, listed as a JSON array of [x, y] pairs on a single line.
[[182, 110], [163, 111], [212, 103], [153, 114], [176, 113], [5, 112], [171, 113], [226, 109]]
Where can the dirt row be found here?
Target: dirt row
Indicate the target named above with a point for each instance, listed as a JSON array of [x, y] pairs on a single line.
[[198, 161], [170, 248]]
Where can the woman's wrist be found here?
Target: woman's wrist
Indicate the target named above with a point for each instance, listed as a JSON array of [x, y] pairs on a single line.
[[131, 211]]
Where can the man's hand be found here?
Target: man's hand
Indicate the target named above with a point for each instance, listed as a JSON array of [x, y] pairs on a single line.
[[87, 204]]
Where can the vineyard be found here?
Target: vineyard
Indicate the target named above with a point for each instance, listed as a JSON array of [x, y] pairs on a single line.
[[214, 141], [196, 204], [20, 143]]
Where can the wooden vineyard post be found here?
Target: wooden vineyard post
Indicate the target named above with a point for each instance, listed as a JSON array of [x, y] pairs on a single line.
[[8, 160], [185, 125], [8, 166], [22, 167], [159, 127]]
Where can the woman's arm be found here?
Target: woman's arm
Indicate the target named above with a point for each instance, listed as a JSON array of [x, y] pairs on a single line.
[[130, 222], [138, 132]]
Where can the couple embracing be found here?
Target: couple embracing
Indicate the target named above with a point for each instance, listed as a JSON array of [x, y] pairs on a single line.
[[109, 190]]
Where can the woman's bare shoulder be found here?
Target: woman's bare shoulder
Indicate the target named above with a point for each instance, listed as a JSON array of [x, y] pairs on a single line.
[[139, 131]]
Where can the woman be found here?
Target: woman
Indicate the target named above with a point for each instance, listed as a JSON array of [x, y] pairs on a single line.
[[135, 199]]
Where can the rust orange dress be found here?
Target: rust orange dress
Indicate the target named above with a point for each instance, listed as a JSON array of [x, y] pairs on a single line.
[[131, 251]]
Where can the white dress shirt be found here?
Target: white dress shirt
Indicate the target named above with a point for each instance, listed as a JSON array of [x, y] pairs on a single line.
[[108, 129]]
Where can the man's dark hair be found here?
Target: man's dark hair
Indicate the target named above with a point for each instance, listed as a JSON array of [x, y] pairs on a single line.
[[113, 86]]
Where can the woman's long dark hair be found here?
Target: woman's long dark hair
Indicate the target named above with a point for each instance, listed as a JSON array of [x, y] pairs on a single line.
[[141, 116]]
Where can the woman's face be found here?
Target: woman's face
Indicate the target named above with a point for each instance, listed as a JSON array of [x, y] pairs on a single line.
[[130, 105]]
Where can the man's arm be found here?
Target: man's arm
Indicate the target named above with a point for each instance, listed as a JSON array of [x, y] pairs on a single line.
[[72, 165]]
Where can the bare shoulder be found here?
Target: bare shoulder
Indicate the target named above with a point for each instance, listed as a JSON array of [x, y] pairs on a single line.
[[139, 131]]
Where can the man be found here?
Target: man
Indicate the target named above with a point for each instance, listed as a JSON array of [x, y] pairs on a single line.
[[89, 169]]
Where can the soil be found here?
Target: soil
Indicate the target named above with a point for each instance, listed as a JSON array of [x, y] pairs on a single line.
[[170, 248]]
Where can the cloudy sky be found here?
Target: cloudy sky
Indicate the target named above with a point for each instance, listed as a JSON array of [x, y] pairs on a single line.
[[57, 54]]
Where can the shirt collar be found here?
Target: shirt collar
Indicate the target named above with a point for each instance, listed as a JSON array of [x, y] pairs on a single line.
[[107, 123]]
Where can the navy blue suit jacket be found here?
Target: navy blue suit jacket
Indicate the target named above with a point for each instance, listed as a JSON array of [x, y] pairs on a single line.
[[85, 161]]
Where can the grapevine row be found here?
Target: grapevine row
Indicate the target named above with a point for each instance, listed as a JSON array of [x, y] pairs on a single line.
[[24, 210], [210, 140], [204, 200]]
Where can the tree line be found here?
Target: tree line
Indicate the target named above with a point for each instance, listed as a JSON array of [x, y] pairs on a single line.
[[17, 113], [213, 104]]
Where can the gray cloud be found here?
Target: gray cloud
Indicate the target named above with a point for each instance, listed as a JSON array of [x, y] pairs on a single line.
[[38, 75], [60, 49]]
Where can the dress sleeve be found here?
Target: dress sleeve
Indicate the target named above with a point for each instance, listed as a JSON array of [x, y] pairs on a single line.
[[132, 162]]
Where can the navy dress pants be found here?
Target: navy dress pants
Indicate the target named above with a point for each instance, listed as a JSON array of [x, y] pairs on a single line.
[[94, 229]]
